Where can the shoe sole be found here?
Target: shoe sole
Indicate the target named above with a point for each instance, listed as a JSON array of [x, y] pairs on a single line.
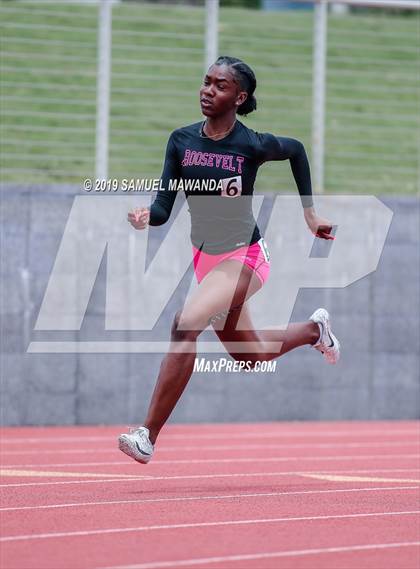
[[337, 347], [127, 449], [334, 339], [336, 343]]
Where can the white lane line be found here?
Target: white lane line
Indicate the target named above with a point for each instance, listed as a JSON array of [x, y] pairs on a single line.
[[212, 461], [52, 535], [223, 447], [198, 498], [346, 478], [228, 434], [19, 485], [54, 474], [154, 478], [268, 555]]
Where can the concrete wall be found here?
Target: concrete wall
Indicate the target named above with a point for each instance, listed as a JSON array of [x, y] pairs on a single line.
[[376, 319]]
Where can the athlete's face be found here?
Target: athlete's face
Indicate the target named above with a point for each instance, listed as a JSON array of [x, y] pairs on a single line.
[[220, 93]]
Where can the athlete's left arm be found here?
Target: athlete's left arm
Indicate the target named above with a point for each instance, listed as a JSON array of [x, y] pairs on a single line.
[[293, 150]]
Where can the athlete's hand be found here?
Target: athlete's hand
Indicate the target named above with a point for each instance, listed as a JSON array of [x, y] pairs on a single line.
[[139, 218], [319, 226]]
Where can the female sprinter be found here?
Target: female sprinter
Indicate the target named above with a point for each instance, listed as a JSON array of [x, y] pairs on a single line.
[[222, 148]]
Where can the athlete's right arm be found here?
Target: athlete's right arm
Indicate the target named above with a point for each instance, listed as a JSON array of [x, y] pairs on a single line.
[[161, 208]]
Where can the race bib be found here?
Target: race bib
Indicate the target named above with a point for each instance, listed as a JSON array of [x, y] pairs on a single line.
[[231, 187]]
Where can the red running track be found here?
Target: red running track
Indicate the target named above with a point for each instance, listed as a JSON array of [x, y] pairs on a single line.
[[261, 496]]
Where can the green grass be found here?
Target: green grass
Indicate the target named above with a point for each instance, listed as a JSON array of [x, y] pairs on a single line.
[[48, 93]]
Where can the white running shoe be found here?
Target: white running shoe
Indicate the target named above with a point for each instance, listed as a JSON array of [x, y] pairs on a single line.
[[327, 343], [137, 444]]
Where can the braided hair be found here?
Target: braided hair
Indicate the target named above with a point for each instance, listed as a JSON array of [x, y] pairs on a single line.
[[246, 79]]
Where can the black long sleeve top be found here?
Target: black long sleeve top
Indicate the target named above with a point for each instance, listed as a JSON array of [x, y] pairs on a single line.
[[223, 172]]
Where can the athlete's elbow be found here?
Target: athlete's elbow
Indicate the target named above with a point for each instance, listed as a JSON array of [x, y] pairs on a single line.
[[158, 216], [159, 221], [298, 147]]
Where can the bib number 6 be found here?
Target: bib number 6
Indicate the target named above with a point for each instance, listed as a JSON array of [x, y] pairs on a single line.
[[232, 187]]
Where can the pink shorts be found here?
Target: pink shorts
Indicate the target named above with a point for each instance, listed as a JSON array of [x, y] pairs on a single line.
[[255, 256]]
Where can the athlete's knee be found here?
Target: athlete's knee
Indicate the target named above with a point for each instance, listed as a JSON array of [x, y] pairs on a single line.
[[230, 316], [185, 326]]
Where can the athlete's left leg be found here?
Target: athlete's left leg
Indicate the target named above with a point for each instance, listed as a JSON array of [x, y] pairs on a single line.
[[246, 343]]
